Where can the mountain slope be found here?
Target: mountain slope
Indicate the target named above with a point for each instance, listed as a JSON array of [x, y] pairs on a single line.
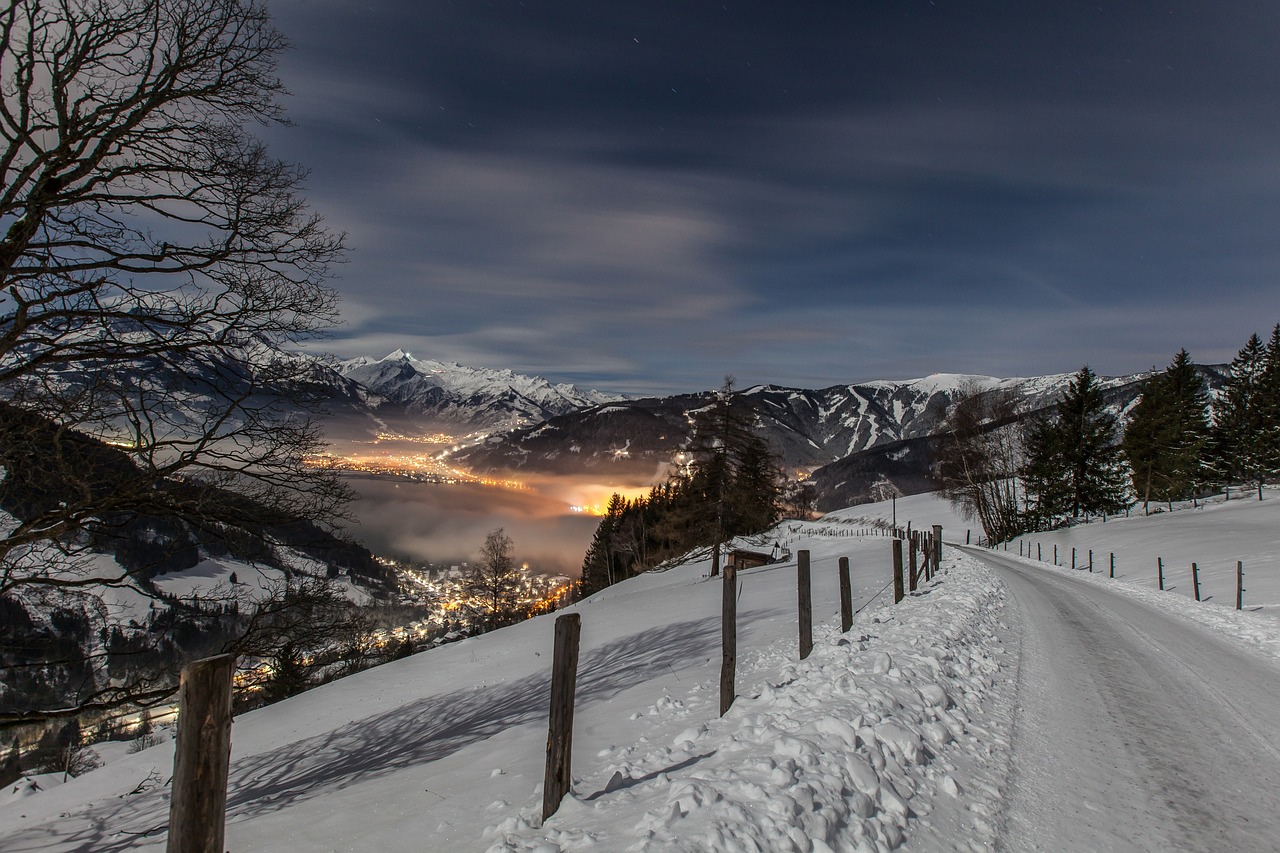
[[449, 393], [806, 428]]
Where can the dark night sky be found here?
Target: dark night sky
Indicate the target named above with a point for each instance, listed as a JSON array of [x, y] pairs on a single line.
[[645, 196]]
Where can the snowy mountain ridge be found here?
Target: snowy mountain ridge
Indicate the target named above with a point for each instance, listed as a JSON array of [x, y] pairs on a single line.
[[470, 396], [806, 428]]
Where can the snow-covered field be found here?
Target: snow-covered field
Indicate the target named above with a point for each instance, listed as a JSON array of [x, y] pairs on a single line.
[[897, 734]]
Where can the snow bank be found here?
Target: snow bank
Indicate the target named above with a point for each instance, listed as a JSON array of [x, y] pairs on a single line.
[[844, 751]]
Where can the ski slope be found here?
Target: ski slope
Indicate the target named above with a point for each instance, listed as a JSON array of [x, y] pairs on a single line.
[[916, 731]]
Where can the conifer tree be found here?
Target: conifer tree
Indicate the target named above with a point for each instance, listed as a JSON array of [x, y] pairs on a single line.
[[1166, 437], [597, 565], [1269, 409], [1074, 464], [1239, 418]]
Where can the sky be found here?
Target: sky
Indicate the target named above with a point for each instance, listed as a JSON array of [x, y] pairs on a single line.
[[643, 197]]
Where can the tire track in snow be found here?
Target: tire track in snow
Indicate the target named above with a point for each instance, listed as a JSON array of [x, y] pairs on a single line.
[[1125, 738]]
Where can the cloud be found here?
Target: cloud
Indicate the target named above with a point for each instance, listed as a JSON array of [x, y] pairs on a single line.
[[648, 197]]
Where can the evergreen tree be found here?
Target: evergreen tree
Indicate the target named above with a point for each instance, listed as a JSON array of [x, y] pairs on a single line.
[[597, 565], [730, 488], [1043, 476], [289, 674], [1269, 409], [734, 482], [1166, 438], [1074, 464], [1239, 419], [1188, 433]]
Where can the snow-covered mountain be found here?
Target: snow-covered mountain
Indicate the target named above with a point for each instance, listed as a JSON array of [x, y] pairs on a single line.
[[466, 396], [851, 436], [807, 428]]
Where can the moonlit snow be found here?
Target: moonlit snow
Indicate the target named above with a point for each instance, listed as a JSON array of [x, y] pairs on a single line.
[[915, 731]]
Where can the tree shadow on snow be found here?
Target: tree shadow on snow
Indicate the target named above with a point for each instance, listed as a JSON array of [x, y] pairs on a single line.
[[412, 734]]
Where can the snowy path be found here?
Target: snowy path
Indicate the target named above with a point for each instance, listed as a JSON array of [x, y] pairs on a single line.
[[1136, 730]]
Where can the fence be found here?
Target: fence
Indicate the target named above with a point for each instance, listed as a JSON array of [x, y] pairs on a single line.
[[1111, 567], [197, 813]]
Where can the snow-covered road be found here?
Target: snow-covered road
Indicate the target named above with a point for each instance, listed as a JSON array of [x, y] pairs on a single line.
[[1135, 729]]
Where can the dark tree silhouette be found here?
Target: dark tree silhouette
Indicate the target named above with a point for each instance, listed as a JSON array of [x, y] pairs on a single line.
[[154, 260]]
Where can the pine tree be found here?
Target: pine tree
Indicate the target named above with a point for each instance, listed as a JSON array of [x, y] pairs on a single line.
[[1238, 418], [734, 482], [597, 565], [1144, 439], [1166, 438], [1074, 464], [1188, 432], [1043, 475], [1269, 409]]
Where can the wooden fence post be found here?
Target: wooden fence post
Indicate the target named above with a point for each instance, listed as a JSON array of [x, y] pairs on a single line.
[[1113, 564], [202, 757], [1039, 553], [564, 681], [846, 596], [728, 637], [1239, 584], [1090, 561], [1195, 579], [1073, 558], [1055, 553], [911, 564], [966, 536], [806, 604], [937, 547], [1160, 571], [897, 571]]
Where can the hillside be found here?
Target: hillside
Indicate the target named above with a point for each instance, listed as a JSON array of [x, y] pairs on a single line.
[[898, 735]]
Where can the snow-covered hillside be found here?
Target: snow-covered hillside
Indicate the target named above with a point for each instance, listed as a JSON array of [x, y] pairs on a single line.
[[466, 396], [902, 733]]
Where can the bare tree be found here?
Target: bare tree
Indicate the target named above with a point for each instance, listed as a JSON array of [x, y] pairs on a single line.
[[495, 579], [981, 458], [155, 263]]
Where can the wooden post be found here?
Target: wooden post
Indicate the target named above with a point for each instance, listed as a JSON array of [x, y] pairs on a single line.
[[1160, 571], [1019, 547], [806, 604], [911, 565], [1239, 584], [728, 637], [937, 547], [1039, 553], [564, 681], [897, 571], [1073, 558], [846, 596], [1195, 579], [1090, 561], [1055, 553], [202, 757], [1113, 564], [966, 536]]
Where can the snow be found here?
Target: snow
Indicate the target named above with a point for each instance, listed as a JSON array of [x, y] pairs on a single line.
[[903, 733]]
